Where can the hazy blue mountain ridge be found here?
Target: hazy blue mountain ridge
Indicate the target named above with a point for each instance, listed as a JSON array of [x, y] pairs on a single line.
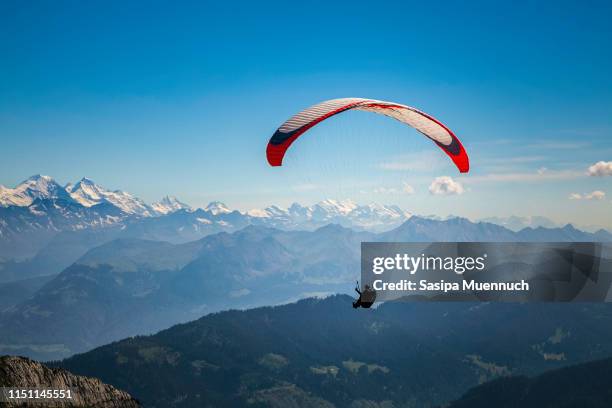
[[131, 286]]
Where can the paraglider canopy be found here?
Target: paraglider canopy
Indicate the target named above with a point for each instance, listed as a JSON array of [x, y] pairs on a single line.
[[424, 123]]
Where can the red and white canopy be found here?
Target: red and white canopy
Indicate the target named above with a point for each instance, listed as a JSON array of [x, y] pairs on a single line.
[[424, 123]]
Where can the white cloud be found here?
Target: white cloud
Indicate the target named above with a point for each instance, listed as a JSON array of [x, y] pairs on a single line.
[[445, 185], [595, 195], [601, 168], [407, 188]]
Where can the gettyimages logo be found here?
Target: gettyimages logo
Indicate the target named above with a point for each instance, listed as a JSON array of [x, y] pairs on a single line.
[[489, 271], [412, 265]]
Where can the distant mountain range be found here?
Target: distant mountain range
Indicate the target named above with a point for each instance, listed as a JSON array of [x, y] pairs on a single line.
[[322, 352], [516, 223], [97, 298], [38, 209], [86, 193]]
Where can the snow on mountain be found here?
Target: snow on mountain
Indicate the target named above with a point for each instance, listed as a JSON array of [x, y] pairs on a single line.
[[88, 193], [35, 187], [170, 214], [35, 211], [335, 207], [217, 208], [169, 205], [272, 211], [375, 217], [371, 215], [300, 212], [257, 213]]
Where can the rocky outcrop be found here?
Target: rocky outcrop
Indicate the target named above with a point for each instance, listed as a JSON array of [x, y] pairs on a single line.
[[86, 391]]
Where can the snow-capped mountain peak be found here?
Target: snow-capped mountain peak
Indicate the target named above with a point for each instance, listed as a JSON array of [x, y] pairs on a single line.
[[382, 211], [217, 207], [341, 207], [87, 193], [169, 204], [272, 211], [344, 212], [257, 213], [35, 187], [39, 184]]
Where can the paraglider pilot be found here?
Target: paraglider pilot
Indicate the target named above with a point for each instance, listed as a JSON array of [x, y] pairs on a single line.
[[366, 298]]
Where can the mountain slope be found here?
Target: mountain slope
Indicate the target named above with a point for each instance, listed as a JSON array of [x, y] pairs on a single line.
[[18, 372], [407, 354], [26, 230], [418, 229], [95, 300], [16, 292], [585, 385], [516, 223], [57, 253]]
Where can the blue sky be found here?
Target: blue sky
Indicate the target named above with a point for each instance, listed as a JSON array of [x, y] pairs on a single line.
[[180, 98]]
